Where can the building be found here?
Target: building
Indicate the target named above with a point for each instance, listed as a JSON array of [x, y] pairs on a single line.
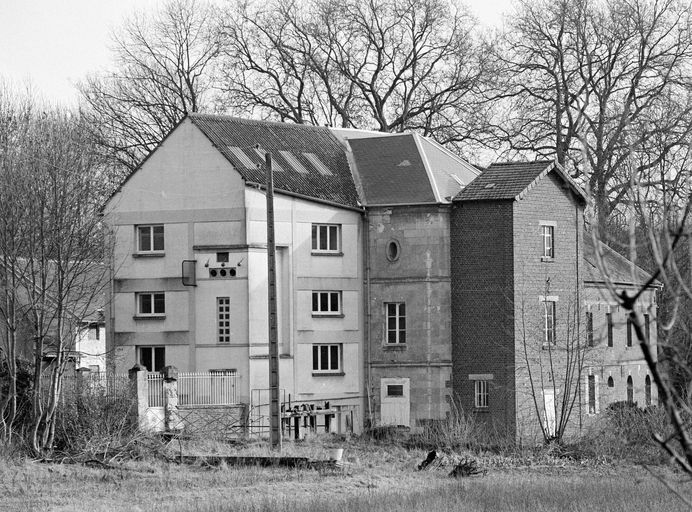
[[401, 270], [529, 310]]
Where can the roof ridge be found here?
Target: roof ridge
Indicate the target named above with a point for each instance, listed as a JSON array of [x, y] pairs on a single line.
[[256, 122], [519, 162]]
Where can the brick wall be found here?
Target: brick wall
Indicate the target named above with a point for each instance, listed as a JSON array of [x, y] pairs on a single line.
[[482, 264]]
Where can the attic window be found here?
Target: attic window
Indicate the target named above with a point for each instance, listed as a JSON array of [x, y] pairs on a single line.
[[242, 157], [314, 160], [490, 185], [404, 163], [293, 162]]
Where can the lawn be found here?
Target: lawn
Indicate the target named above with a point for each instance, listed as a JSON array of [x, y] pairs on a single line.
[[376, 478]]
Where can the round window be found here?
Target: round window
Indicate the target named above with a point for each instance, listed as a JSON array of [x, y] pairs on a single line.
[[393, 250]]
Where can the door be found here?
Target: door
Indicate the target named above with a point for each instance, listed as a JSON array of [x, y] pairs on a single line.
[[395, 399], [549, 405]]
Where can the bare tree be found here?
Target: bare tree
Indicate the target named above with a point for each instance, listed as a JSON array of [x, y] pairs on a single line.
[[603, 85], [163, 70], [381, 64]]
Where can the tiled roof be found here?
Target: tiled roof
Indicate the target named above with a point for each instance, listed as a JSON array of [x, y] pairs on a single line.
[[308, 160], [407, 169], [391, 170], [506, 181], [620, 270]]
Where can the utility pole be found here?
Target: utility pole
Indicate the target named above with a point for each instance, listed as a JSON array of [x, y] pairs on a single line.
[[274, 405]]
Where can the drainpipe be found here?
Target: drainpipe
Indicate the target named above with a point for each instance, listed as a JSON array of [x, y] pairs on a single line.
[[366, 308], [580, 359]]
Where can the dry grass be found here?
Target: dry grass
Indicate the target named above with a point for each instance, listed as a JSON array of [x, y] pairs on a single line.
[[379, 478]]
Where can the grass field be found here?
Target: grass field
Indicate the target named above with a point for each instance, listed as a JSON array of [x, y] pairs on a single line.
[[377, 478]]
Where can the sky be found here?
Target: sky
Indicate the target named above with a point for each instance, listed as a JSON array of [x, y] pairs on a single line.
[[53, 44]]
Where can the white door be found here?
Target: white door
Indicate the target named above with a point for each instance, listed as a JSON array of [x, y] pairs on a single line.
[[549, 405], [396, 402]]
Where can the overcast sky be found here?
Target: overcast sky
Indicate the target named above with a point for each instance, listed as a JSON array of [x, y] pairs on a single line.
[[54, 43]]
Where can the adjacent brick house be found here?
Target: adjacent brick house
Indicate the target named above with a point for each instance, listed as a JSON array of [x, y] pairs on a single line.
[[524, 300]]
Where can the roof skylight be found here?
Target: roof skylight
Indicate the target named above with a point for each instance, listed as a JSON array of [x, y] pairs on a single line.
[[293, 162], [321, 168], [242, 157]]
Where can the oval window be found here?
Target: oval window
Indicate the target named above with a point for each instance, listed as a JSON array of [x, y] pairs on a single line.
[[393, 250]]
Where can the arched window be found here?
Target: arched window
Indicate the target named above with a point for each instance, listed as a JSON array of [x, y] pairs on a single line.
[[630, 390], [647, 390], [610, 382]]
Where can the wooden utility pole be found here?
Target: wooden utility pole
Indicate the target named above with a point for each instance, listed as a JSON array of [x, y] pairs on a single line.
[[274, 405]]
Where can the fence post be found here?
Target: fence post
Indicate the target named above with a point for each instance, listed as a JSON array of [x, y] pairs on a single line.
[[139, 388], [170, 397]]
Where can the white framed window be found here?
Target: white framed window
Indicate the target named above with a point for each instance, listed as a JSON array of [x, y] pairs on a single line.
[[326, 303], [547, 240], [481, 394], [396, 322], [326, 358], [152, 358], [326, 238], [150, 239], [549, 322], [223, 319], [151, 304]]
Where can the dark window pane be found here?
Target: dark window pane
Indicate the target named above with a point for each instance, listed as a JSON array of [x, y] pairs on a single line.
[[324, 357], [402, 323], [315, 357], [159, 303], [402, 309], [334, 360], [334, 301], [144, 238], [395, 390], [391, 309], [145, 303], [324, 302], [314, 237], [145, 357], [402, 337], [315, 301], [391, 323], [323, 238], [333, 238], [158, 238], [391, 336], [159, 358]]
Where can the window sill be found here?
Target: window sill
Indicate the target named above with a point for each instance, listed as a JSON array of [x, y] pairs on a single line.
[[327, 315], [326, 253], [547, 259], [148, 254], [327, 374], [394, 346], [149, 317], [481, 410], [549, 346]]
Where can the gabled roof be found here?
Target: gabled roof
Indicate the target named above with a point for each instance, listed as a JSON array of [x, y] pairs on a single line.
[[308, 160], [512, 180], [407, 169], [619, 269]]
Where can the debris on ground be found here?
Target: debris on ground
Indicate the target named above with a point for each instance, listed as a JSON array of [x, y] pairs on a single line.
[[467, 467], [428, 460], [461, 466]]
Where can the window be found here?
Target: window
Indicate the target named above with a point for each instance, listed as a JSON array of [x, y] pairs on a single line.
[[152, 358], [150, 238], [326, 238], [589, 329], [630, 390], [609, 320], [395, 390], [610, 382], [481, 394], [592, 394], [629, 332], [396, 322], [548, 239], [151, 304], [646, 327], [326, 303], [223, 313], [326, 358], [647, 390], [549, 322], [94, 332], [393, 250]]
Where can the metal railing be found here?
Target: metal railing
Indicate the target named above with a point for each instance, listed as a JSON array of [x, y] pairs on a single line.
[[203, 388]]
